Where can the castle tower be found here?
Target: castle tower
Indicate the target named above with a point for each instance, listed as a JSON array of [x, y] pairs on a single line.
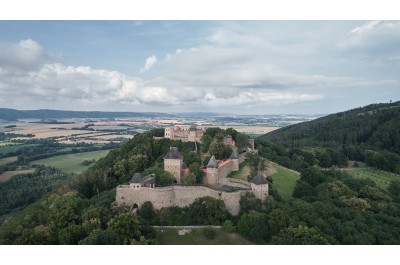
[[259, 186], [192, 133], [169, 132], [235, 161], [136, 181], [211, 178], [173, 162]]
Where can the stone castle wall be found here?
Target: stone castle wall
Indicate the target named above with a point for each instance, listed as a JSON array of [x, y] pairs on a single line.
[[225, 170], [242, 157], [234, 183], [176, 196]]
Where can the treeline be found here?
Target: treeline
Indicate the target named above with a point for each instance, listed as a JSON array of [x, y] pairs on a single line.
[[368, 134], [22, 190]]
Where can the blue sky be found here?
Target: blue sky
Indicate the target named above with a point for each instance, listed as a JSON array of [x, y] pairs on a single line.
[[254, 67]]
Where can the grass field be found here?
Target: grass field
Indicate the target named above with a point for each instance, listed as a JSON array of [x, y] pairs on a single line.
[[9, 174], [12, 148], [195, 237], [381, 178], [8, 160], [284, 180], [71, 163]]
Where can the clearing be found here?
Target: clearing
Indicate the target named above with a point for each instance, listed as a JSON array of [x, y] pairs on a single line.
[[71, 163], [284, 180], [170, 236], [381, 178], [9, 174], [8, 160]]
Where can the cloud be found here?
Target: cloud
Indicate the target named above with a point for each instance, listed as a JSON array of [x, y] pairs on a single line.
[[22, 56], [150, 62], [376, 39]]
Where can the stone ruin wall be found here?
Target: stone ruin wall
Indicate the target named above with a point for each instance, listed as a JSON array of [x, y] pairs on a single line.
[[176, 196]]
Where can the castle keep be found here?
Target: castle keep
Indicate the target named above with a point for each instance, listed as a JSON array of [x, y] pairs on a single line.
[[215, 184]]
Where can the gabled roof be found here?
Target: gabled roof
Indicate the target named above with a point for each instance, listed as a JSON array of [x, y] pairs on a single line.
[[259, 179], [192, 128], [212, 163], [136, 178], [173, 153], [234, 155]]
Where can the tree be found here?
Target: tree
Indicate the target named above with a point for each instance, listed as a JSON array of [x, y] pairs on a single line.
[[126, 225], [256, 162], [189, 178], [207, 211], [249, 202], [71, 235], [301, 235], [195, 168], [191, 157], [205, 142], [219, 150], [164, 179], [242, 140], [254, 225], [146, 211]]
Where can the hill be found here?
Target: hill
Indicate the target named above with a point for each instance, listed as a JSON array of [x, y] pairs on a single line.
[[369, 134], [13, 114]]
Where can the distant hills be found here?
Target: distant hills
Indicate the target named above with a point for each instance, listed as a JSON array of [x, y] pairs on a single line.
[[13, 114], [370, 134], [375, 126]]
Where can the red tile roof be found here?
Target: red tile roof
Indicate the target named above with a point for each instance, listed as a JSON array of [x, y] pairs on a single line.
[[225, 163], [185, 170]]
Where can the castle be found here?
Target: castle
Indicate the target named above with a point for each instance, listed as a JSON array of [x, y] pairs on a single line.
[[215, 184], [185, 133]]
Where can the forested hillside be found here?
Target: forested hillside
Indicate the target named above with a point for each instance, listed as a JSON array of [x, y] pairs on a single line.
[[326, 207], [369, 134]]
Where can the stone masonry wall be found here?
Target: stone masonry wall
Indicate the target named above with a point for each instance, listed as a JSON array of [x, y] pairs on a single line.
[[225, 170], [176, 196]]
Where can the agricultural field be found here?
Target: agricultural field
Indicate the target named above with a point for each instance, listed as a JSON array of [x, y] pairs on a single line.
[[381, 178], [9, 174], [71, 163], [170, 236], [8, 160], [284, 180], [12, 148]]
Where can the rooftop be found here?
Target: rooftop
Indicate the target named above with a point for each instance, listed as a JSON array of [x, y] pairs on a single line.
[[224, 163], [234, 155], [259, 179], [173, 153], [212, 163], [136, 178]]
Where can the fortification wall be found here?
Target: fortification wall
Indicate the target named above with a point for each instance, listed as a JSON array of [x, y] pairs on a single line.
[[242, 157], [176, 196], [159, 197], [225, 170], [234, 183]]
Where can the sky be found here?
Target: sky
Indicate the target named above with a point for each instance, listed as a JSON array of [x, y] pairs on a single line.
[[241, 67]]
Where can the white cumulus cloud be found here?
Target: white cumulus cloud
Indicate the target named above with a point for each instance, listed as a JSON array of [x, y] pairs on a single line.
[[150, 62]]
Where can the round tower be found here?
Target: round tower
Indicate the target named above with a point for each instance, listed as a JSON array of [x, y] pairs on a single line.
[[211, 178], [259, 186]]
